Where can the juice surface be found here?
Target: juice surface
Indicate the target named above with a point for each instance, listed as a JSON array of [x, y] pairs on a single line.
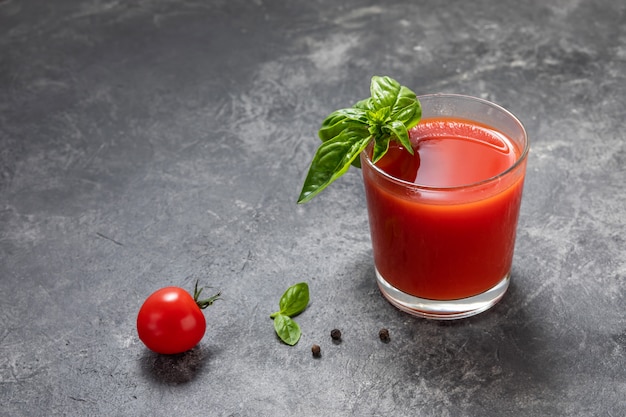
[[460, 243], [450, 153]]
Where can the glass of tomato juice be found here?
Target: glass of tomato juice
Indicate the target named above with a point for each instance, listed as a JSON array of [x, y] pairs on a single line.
[[443, 220]]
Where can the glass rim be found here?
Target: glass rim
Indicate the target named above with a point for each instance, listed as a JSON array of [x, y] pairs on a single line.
[[513, 167]]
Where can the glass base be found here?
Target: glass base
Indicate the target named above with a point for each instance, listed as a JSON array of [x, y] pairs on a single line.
[[443, 309]]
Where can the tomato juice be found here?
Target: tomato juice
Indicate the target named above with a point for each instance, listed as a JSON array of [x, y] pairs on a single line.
[[443, 220]]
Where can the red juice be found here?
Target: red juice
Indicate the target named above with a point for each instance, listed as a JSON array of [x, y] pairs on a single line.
[[443, 221]]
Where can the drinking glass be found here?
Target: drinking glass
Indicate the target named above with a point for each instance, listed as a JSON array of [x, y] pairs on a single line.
[[445, 252]]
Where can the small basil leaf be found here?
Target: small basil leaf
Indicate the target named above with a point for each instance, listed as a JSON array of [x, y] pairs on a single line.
[[381, 145], [384, 92], [332, 160], [379, 116], [403, 102], [406, 108], [287, 329], [295, 299], [398, 129]]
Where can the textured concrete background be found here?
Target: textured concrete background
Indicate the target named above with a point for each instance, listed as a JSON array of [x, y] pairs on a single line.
[[156, 142]]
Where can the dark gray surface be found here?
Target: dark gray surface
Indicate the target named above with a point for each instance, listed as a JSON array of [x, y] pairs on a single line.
[[153, 143]]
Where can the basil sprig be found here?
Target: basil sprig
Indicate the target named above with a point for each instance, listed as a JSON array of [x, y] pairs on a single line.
[[292, 303], [387, 115]]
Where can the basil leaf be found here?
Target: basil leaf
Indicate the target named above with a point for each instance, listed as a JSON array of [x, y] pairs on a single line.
[[340, 120], [384, 91], [287, 329], [399, 130], [332, 160], [381, 146], [295, 299], [407, 108], [403, 102], [387, 115]]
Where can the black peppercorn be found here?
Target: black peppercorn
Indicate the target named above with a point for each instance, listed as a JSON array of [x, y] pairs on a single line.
[[316, 350], [384, 335], [335, 334]]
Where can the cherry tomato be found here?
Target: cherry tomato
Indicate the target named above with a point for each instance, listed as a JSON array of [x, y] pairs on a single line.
[[171, 321]]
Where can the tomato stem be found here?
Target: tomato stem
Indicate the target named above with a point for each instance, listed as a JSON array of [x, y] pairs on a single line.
[[207, 301]]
